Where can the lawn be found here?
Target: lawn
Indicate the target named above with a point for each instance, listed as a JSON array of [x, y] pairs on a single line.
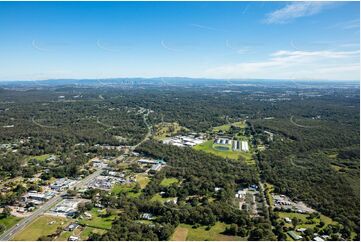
[[41, 227], [97, 220], [8, 221], [202, 234], [166, 182]]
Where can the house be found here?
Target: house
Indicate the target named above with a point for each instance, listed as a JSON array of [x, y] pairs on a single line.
[[317, 239], [88, 215], [288, 220], [156, 167], [73, 238], [71, 227], [302, 230], [147, 216]]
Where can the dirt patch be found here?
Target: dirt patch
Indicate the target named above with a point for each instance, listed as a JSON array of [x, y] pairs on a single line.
[[180, 234]]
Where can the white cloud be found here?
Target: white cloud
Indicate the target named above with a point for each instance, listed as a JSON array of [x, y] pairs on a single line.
[[284, 64], [351, 24], [295, 10]]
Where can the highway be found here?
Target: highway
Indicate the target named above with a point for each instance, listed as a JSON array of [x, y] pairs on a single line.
[[43, 208]]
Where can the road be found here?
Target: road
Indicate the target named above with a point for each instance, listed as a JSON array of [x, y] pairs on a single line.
[[45, 207], [149, 133]]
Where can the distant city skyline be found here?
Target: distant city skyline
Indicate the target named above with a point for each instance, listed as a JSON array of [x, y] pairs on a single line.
[[222, 40]]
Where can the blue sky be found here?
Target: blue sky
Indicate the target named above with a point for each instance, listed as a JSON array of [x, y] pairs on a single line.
[[268, 40]]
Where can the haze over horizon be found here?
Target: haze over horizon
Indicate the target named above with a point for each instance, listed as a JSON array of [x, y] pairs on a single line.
[[219, 40]]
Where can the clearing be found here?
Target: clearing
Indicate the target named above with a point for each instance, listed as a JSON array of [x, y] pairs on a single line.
[[201, 233], [166, 182], [43, 226]]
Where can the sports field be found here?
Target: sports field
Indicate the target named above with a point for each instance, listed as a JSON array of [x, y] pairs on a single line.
[[216, 149]]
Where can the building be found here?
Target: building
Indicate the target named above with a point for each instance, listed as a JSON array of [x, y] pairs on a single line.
[[244, 146], [147, 161], [37, 196], [73, 238], [71, 227], [67, 207], [99, 164], [288, 220], [156, 167], [62, 184], [294, 235], [318, 239], [147, 216]]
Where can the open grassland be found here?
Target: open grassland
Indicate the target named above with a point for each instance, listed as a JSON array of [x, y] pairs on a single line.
[[127, 189], [165, 130], [8, 221], [166, 182], [226, 127], [41, 227], [98, 220], [202, 234], [143, 180]]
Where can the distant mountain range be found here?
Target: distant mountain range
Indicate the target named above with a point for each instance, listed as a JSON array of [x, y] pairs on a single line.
[[171, 81]]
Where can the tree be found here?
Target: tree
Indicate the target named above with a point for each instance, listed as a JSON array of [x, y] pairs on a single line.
[[295, 222], [7, 211], [2, 228]]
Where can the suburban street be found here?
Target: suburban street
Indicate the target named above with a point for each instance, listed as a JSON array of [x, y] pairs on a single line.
[[7, 235]]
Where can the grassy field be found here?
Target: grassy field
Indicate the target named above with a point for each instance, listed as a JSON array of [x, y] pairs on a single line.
[[8, 221], [143, 180], [84, 235], [185, 231], [97, 220], [39, 157], [41, 227], [208, 147], [127, 189], [166, 182]]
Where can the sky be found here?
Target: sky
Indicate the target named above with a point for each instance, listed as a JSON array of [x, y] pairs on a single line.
[[228, 40]]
